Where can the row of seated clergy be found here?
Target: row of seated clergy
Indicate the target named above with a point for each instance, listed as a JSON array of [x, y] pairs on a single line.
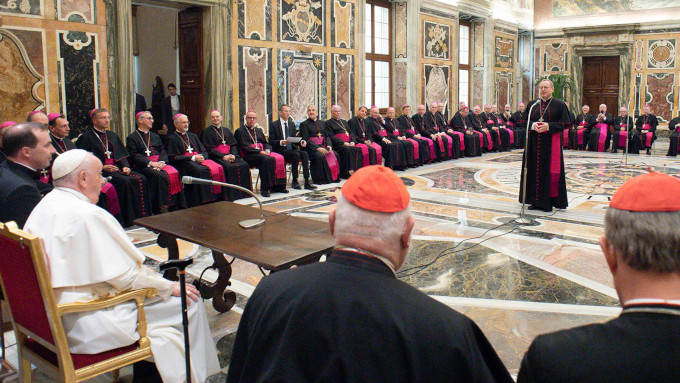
[[598, 132]]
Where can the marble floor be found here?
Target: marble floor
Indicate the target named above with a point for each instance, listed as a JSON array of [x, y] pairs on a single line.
[[515, 281]]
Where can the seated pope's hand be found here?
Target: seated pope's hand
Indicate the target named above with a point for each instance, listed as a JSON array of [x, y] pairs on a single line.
[[192, 292]]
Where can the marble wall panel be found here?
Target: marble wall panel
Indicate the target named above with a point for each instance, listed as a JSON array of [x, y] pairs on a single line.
[[638, 54], [400, 33], [437, 84], [342, 24], [21, 82], [302, 21], [503, 87], [302, 82], [537, 67], [636, 89], [526, 90], [342, 84], [22, 7], [477, 87], [78, 63], [555, 57], [254, 19], [478, 44], [661, 53], [601, 39], [659, 94], [255, 84], [78, 11], [504, 52], [436, 40], [400, 81]]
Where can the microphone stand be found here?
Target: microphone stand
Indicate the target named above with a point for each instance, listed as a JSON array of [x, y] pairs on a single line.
[[246, 224], [522, 220], [628, 137]]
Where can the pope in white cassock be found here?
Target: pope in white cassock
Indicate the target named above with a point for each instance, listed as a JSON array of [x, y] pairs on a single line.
[[90, 256]]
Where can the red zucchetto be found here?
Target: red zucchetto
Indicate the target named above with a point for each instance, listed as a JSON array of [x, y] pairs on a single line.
[[376, 188], [652, 192]]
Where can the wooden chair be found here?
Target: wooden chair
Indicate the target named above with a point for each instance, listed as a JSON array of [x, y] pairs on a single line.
[[36, 317]]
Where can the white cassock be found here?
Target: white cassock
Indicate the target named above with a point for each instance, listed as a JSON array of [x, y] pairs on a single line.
[[90, 256]]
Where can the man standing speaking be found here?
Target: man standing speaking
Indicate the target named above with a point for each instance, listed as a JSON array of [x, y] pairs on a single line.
[[545, 186]]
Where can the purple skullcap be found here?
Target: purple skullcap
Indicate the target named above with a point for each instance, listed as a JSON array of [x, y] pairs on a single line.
[[7, 124], [52, 116]]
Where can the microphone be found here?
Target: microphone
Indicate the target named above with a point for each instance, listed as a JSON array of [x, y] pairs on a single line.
[[522, 220], [246, 224]]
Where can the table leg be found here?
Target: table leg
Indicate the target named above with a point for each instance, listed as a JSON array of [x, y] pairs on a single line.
[[169, 242], [223, 300]]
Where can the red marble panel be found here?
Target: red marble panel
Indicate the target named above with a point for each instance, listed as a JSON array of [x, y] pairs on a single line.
[[659, 94]]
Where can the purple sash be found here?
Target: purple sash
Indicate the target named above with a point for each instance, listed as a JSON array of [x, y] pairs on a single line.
[[623, 136], [112, 197], [330, 157], [565, 138], [579, 132], [461, 138], [416, 148], [511, 133], [343, 136], [489, 141], [109, 161], [280, 161], [364, 153], [382, 132], [603, 136], [216, 172], [489, 121], [173, 176], [450, 146], [429, 142], [555, 165], [649, 135]]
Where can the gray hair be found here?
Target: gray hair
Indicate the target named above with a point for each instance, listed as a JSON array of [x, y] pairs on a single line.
[[375, 226], [71, 178], [648, 241]]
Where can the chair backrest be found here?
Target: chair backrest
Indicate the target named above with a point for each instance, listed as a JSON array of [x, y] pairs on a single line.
[[26, 284]]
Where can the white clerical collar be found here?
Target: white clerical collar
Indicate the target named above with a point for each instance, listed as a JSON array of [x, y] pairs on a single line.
[[24, 165], [73, 192], [641, 301], [100, 131], [546, 100]]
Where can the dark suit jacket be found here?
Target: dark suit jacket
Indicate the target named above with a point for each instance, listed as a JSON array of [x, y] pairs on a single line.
[[275, 134], [19, 192], [140, 103], [166, 113], [635, 347]]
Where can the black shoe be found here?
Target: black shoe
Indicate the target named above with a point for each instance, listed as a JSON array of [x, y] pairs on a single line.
[[309, 186], [295, 185], [145, 372], [614, 151], [648, 152], [265, 193], [284, 191], [532, 207]]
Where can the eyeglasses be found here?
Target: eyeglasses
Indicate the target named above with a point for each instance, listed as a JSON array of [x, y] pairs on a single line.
[[251, 118]]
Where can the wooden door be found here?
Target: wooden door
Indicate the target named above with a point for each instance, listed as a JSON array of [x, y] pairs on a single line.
[[601, 83], [191, 67]]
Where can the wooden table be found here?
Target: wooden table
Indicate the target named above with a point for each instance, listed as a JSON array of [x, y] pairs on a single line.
[[283, 241]]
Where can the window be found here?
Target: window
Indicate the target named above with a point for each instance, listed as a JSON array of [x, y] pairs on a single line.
[[378, 48], [464, 62]]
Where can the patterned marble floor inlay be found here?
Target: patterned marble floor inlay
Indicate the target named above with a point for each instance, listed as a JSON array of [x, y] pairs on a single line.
[[515, 282]]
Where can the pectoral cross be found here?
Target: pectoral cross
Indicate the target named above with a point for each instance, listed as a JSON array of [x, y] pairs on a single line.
[[224, 142], [540, 119], [148, 152], [44, 172], [108, 153], [190, 149], [320, 135]]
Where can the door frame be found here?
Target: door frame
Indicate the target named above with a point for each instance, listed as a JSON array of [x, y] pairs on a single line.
[[121, 65], [625, 53]]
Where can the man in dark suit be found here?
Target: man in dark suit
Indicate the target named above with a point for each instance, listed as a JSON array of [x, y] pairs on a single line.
[[29, 150], [279, 131], [350, 319], [171, 106], [641, 246], [140, 103]]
